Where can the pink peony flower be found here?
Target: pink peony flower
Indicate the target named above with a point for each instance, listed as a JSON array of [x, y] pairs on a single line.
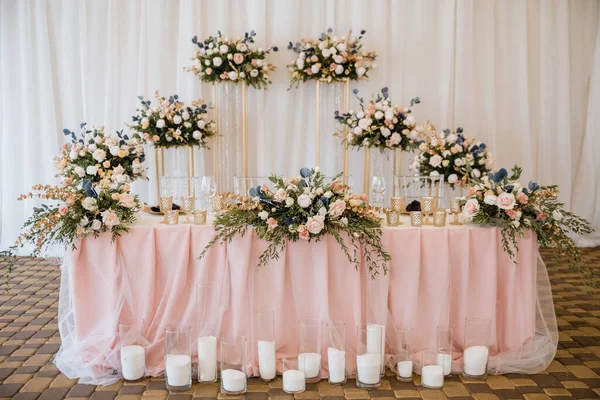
[[315, 224], [522, 198], [337, 208], [506, 201], [110, 218], [127, 200], [280, 195], [471, 208], [238, 58], [303, 232], [63, 209], [271, 223]]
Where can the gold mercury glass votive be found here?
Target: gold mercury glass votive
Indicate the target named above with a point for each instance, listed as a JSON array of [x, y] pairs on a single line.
[[172, 217], [427, 208], [199, 217], [397, 204], [455, 209], [165, 205], [393, 218], [217, 203], [439, 218], [187, 203], [416, 218]]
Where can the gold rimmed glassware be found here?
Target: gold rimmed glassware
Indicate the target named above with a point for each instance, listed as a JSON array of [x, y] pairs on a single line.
[[199, 217], [416, 218], [217, 203], [397, 204], [427, 208], [455, 209], [166, 205], [172, 217], [393, 219], [439, 218], [187, 204]]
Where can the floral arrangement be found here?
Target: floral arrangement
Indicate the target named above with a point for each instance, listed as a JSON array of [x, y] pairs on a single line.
[[380, 124], [95, 156], [331, 58], [305, 208], [173, 124], [452, 155], [220, 59], [500, 199]]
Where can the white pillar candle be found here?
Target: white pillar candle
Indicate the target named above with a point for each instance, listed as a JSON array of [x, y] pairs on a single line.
[[179, 370], [375, 339], [207, 358], [294, 381], [368, 368], [233, 380], [310, 364], [405, 369], [475, 360], [266, 359], [336, 363], [445, 361], [133, 362], [432, 376]]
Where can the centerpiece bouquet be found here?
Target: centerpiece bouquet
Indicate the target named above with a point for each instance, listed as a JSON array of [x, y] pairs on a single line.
[[380, 124], [173, 124], [94, 156], [307, 208], [221, 59], [452, 155], [500, 199], [331, 58]]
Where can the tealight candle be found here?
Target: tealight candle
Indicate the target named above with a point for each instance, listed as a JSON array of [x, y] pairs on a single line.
[[178, 370], [233, 380], [336, 363], [445, 361], [475, 360], [311, 364], [405, 369], [432, 376], [294, 381], [368, 368], [133, 362], [207, 359], [266, 359]]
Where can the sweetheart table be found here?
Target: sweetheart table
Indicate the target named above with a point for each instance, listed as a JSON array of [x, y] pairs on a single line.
[[437, 276]]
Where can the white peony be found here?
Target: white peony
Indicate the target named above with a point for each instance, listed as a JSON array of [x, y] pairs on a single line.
[[326, 53], [196, 135], [223, 49], [304, 201], [177, 120], [339, 69], [379, 115], [333, 51], [361, 71], [435, 161], [90, 204], [452, 178], [263, 215], [451, 138], [96, 224], [201, 124], [389, 115], [217, 61], [358, 130], [314, 69], [365, 122], [490, 199], [185, 115], [160, 123], [338, 59], [91, 170], [385, 131], [360, 115], [341, 47], [73, 155], [233, 75]]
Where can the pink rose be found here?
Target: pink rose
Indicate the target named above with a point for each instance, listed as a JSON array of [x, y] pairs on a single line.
[[522, 197], [332, 67], [541, 217], [315, 224], [364, 197], [254, 62], [303, 232], [471, 191], [63, 209], [127, 200], [280, 195], [238, 58], [337, 187], [271, 223], [110, 218], [314, 58], [471, 208], [506, 201], [337, 208], [70, 202], [511, 213], [308, 71]]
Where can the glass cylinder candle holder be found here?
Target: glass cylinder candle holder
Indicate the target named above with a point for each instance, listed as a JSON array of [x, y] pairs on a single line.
[[427, 203], [218, 203], [416, 218], [397, 204], [207, 300], [439, 218], [404, 366], [233, 365], [455, 209], [310, 345], [187, 204], [477, 344], [369, 356], [199, 217], [165, 205], [293, 378], [172, 217], [133, 353], [445, 336], [393, 219], [432, 375], [265, 343], [178, 358], [336, 353]]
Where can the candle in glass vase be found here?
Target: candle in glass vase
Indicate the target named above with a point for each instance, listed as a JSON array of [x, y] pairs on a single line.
[[133, 362], [207, 358], [432, 376], [336, 363], [475, 360], [178, 370], [266, 359], [375, 339], [368, 368], [445, 361], [233, 380], [294, 381], [311, 363], [405, 369]]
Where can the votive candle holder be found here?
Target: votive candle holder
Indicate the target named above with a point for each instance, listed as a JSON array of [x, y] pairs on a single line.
[[199, 217], [393, 219], [172, 217], [218, 203], [439, 218], [427, 203], [455, 209], [187, 203], [165, 205], [416, 218], [397, 204]]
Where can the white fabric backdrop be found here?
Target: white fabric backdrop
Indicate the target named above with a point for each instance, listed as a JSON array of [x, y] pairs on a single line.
[[514, 74]]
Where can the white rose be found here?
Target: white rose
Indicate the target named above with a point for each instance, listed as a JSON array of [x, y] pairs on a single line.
[[490, 199], [79, 171], [358, 130], [73, 155], [92, 170], [110, 218], [289, 202], [217, 61], [365, 122], [90, 204], [233, 75], [127, 200], [315, 224], [360, 115], [385, 131], [506, 201], [471, 209], [177, 120], [160, 123], [361, 71], [339, 69], [451, 138], [197, 135], [119, 170], [475, 173], [337, 208], [201, 124], [304, 201], [314, 69], [185, 115], [322, 45], [300, 63], [338, 59], [435, 161], [410, 121], [326, 53], [263, 215], [445, 163], [341, 47], [452, 178], [254, 73], [434, 173], [96, 224], [378, 115], [223, 49]]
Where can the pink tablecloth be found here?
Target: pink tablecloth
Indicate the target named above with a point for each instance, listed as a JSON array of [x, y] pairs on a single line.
[[437, 276]]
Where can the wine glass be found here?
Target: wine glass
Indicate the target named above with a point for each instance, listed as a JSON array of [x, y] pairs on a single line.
[[207, 188], [378, 189]]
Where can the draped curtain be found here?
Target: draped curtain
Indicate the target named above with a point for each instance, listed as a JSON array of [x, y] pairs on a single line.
[[523, 76]]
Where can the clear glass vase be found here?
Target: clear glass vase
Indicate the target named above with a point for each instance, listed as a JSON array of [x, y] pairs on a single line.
[[380, 181], [229, 144], [331, 146]]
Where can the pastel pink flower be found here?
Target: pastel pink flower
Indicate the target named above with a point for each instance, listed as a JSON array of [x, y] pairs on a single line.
[[280, 195], [303, 232], [511, 213], [541, 217], [337, 187], [315, 224], [522, 198], [337, 208], [471, 191], [63, 209], [471, 208], [271, 223], [238, 58], [254, 62], [506, 201]]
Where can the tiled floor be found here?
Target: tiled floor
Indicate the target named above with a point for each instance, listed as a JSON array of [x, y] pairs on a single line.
[[29, 338]]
